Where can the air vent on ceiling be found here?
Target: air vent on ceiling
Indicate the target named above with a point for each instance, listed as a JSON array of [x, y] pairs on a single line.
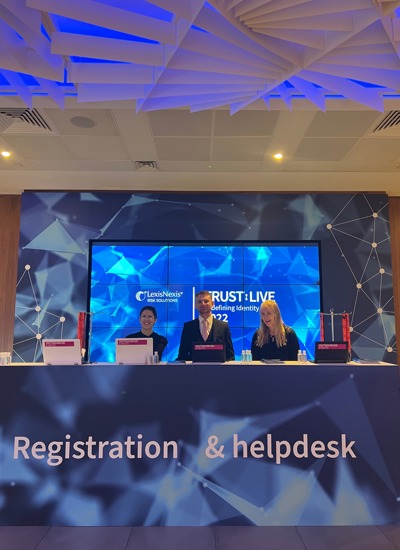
[[23, 121], [146, 165], [390, 125]]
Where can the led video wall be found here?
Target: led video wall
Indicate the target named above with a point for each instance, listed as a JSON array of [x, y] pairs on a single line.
[[125, 276]]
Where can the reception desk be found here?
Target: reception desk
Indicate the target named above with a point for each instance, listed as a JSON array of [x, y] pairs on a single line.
[[200, 444]]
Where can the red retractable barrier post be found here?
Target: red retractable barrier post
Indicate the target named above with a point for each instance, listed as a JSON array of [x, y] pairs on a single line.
[[345, 319], [346, 329], [81, 331], [322, 327]]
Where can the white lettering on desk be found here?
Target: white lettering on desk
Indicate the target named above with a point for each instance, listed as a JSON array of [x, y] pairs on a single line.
[[279, 450], [55, 452]]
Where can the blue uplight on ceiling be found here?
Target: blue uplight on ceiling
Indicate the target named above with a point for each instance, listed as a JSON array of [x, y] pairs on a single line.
[[28, 80], [64, 24], [65, 82], [141, 7], [211, 7], [365, 84], [44, 32], [78, 59]]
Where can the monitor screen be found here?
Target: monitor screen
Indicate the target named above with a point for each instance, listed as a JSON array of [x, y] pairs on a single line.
[[127, 275]]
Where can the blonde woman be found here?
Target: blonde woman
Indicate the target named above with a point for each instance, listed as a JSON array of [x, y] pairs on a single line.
[[274, 339]]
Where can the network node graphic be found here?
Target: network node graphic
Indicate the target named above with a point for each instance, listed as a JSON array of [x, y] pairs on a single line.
[[371, 308], [36, 320]]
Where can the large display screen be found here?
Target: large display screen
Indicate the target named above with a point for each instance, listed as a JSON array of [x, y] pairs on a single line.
[[125, 276]]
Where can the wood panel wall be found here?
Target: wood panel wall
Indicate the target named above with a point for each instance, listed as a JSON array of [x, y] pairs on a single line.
[[394, 218], [10, 206]]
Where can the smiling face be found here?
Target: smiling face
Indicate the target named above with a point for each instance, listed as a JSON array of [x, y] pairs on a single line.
[[147, 321], [268, 317], [204, 304]]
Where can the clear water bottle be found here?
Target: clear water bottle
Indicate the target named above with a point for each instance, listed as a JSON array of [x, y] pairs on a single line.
[[243, 356], [299, 356], [156, 358], [249, 356], [304, 356]]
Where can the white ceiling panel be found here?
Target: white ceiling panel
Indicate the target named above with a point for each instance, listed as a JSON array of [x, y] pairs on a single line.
[[180, 123], [97, 147], [245, 123], [324, 149], [40, 147], [239, 149], [342, 124], [82, 165], [93, 122], [382, 149], [175, 148]]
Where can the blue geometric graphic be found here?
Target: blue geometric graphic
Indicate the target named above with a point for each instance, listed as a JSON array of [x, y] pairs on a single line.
[[129, 275], [355, 250]]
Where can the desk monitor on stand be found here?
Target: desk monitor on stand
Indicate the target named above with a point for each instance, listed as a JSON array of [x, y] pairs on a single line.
[[129, 351], [213, 352], [62, 351], [331, 352]]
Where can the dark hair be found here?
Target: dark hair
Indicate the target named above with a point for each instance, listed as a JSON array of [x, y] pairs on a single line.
[[150, 308], [207, 292]]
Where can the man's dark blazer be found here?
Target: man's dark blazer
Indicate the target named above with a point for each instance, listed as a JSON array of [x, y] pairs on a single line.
[[220, 332]]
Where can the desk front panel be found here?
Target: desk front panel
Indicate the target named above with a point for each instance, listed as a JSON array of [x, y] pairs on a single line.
[[199, 445]]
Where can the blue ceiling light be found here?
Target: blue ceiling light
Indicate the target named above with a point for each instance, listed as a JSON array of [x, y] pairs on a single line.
[[67, 25], [201, 55]]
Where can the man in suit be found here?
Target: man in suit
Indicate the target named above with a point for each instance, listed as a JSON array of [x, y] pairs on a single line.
[[205, 328]]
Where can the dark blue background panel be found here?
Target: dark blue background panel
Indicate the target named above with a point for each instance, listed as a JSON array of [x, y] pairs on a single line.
[[56, 227]]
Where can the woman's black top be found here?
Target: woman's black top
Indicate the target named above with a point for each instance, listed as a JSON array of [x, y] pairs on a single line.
[[159, 342], [288, 352]]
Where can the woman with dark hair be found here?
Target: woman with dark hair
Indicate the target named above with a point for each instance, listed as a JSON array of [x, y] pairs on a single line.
[[147, 319], [274, 339]]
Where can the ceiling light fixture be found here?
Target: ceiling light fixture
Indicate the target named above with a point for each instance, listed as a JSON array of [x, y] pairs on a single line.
[[278, 156], [83, 122], [5, 154]]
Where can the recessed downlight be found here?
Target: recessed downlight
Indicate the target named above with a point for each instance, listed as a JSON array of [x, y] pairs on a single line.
[[278, 156], [6, 154]]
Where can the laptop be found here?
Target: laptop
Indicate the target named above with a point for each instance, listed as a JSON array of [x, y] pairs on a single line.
[[331, 352], [213, 352], [133, 350], [62, 351]]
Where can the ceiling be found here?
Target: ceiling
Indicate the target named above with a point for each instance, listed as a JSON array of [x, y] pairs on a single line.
[[191, 95]]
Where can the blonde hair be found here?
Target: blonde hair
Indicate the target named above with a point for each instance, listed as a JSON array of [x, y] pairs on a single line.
[[263, 333]]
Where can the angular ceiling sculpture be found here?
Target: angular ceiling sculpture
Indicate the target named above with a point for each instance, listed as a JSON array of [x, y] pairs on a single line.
[[203, 55]]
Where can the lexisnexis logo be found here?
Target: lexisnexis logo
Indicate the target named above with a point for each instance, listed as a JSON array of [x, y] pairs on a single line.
[[158, 296]]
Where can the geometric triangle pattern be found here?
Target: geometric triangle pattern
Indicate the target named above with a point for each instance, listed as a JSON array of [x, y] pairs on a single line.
[[202, 54]]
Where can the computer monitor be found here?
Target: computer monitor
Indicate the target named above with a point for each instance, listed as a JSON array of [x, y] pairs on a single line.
[[208, 352], [62, 351], [133, 350], [331, 352]]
